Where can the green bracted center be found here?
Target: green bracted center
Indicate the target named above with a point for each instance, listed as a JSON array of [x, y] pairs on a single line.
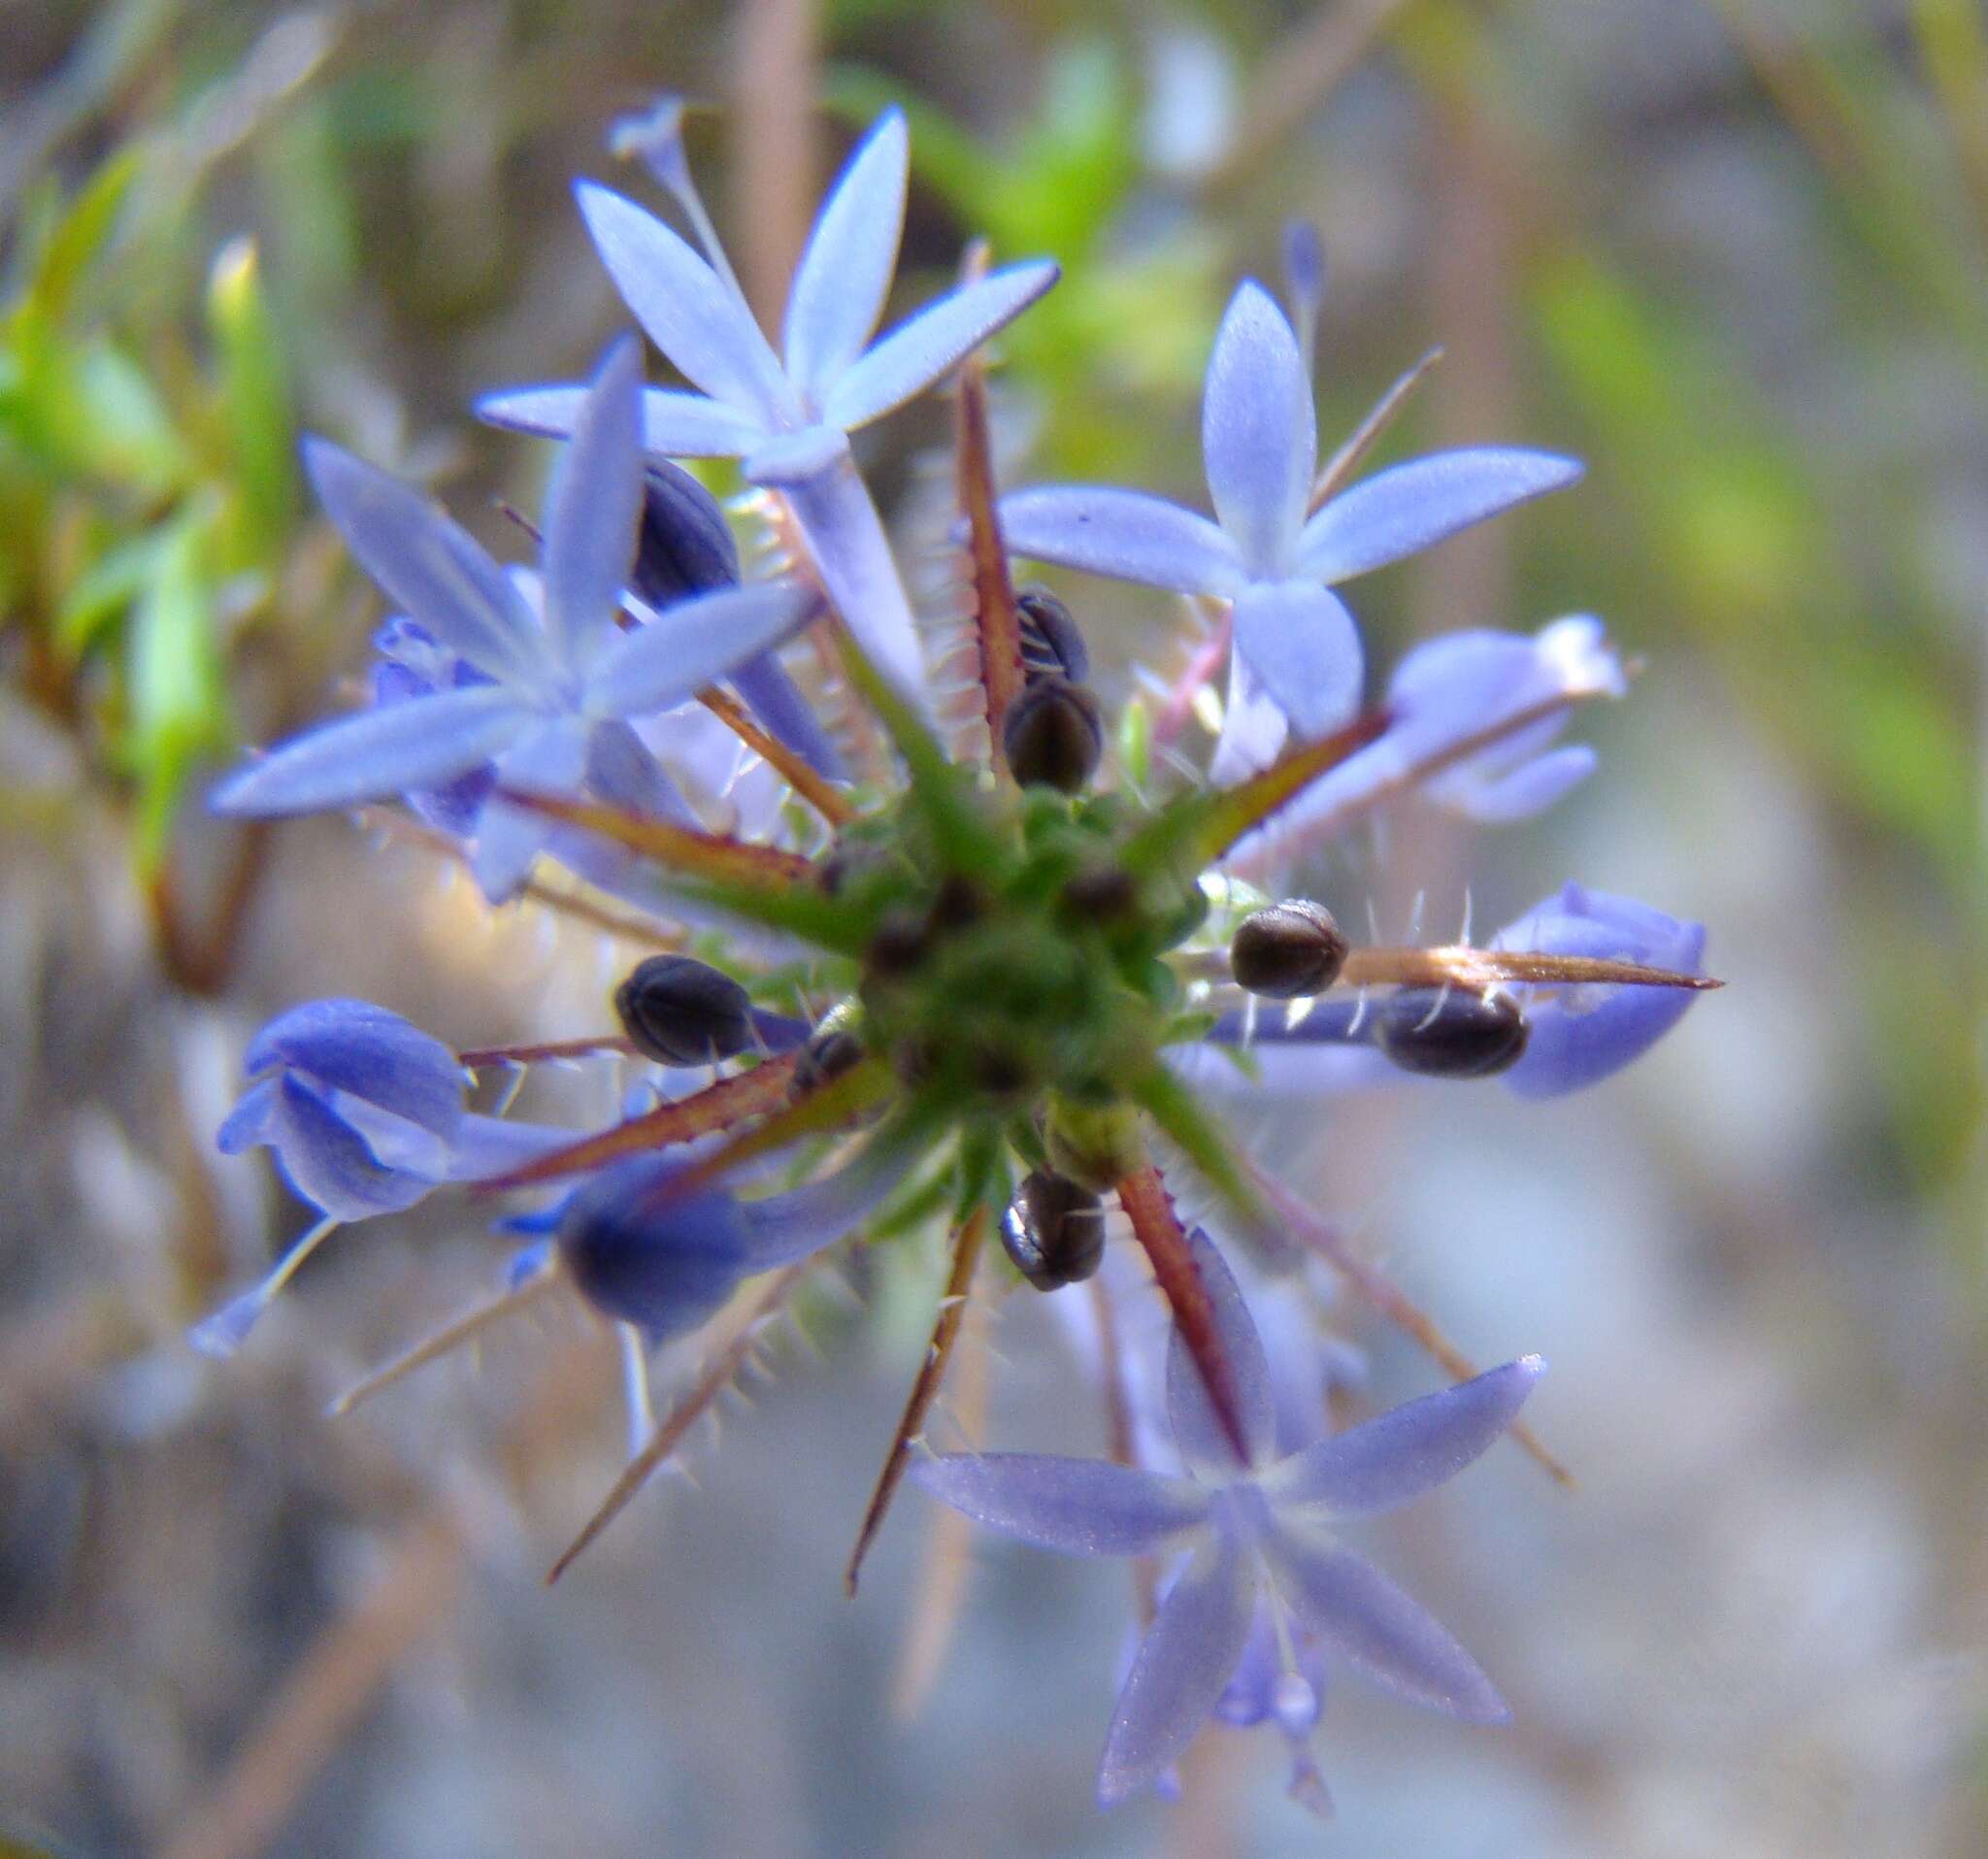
[[1031, 981]]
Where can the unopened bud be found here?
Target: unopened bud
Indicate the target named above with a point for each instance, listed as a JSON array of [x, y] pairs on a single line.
[[1051, 647], [1288, 949], [825, 1058], [1054, 1232], [679, 1011], [1450, 1032], [1054, 735], [685, 545]]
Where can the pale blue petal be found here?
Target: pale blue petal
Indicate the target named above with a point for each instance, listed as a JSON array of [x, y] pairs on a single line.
[[845, 538], [1363, 1617], [379, 753], [776, 701], [552, 760], [1406, 508], [691, 645], [1407, 1451], [1180, 1673], [931, 344], [331, 1165], [674, 424], [621, 770], [1198, 1432], [1259, 432], [428, 565], [1526, 790], [688, 313], [374, 1054], [783, 1228], [1075, 1507], [591, 508], [1253, 728], [844, 274], [250, 1121], [1578, 1035], [1125, 534], [486, 1145], [1302, 643]]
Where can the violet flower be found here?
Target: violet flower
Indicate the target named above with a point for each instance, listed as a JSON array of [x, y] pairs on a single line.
[[551, 708], [364, 1114], [1296, 648], [1250, 1531], [1444, 694], [789, 416]]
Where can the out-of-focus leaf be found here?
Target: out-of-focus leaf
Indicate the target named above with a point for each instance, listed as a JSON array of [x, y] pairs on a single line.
[[78, 237], [254, 399], [176, 684], [105, 590]]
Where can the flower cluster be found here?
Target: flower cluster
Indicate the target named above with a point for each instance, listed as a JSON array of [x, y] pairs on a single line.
[[996, 968]]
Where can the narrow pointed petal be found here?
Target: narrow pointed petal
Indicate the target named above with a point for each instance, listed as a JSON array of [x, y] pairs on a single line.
[[688, 313], [352, 1046], [1363, 1617], [692, 644], [379, 753], [1387, 1461], [1125, 534], [1075, 1507], [930, 344], [552, 760], [1410, 507], [1259, 432], [591, 508], [1198, 1429], [784, 1229], [428, 565], [1528, 789], [1302, 643], [1180, 1673], [844, 274], [776, 701], [674, 424]]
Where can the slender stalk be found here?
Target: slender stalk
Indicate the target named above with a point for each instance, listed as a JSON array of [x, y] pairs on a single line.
[[952, 1310]]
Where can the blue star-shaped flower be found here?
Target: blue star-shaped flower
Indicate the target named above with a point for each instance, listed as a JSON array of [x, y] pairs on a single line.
[[789, 416], [1248, 1532], [1296, 649], [556, 689]]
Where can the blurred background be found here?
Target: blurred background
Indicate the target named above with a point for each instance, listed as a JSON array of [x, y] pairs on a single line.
[[1733, 253]]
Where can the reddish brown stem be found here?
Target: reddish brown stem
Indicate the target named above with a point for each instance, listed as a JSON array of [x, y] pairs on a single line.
[[952, 1310], [677, 1422], [479, 1056], [1158, 1229], [823, 796], [717, 1107]]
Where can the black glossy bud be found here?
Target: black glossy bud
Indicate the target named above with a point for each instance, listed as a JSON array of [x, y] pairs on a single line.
[[682, 1011], [825, 1058], [685, 545], [1051, 647], [1054, 735], [1054, 1232], [1450, 1032], [1287, 949]]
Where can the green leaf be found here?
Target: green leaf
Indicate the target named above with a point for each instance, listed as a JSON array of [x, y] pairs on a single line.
[[178, 693], [254, 398]]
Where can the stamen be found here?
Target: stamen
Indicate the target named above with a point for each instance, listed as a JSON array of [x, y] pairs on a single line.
[[635, 1394], [1347, 460], [945, 1328], [451, 1336], [227, 1329]]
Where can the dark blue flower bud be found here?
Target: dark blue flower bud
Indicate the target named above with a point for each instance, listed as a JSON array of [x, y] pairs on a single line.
[[1450, 1032], [685, 545], [682, 1011], [641, 1257], [1054, 735], [1287, 949], [1051, 647], [1054, 1233]]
